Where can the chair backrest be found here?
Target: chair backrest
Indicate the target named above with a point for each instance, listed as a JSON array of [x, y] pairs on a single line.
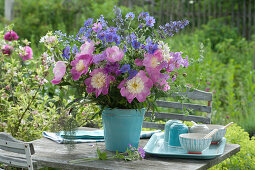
[[190, 94], [10, 144]]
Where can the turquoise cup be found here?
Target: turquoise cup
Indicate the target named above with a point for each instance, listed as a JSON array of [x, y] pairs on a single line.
[[176, 129], [121, 128], [167, 129]]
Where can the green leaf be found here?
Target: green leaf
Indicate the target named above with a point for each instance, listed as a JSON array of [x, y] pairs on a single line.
[[64, 84]]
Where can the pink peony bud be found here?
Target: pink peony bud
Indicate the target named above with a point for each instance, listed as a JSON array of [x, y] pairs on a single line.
[[59, 71], [7, 50], [11, 35], [28, 53]]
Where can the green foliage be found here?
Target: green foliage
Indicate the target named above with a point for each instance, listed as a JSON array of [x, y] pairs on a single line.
[[131, 154], [33, 19], [245, 159], [231, 81]]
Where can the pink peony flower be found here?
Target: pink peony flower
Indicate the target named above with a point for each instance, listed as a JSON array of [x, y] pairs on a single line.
[[137, 87], [99, 82], [139, 62], [11, 35], [87, 48], [153, 61], [59, 71], [114, 54], [80, 65], [7, 50], [97, 27], [28, 53]]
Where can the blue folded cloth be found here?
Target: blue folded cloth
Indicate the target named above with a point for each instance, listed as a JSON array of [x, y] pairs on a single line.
[[86, 136]]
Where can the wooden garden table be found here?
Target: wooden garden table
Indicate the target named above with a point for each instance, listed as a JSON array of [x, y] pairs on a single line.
[[51, 154]]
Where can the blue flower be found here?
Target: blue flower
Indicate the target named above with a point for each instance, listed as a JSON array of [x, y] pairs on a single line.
[[125, 68], [130, 16], [132, 73], [109, 37], [174, 26], [117, 39], [136, 44], [88, 22], [125, 48], [143, 15], [98, 57], [150, 21], [101, 35], [88, 33], [102, 21], [151, 47], [82, 30], [111, 30], [66, 52], [75, 49]]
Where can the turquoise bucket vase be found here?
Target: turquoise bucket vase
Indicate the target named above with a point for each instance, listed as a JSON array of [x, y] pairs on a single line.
[[121, 128]]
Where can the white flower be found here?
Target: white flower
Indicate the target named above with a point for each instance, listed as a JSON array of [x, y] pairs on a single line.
[[165, 50]]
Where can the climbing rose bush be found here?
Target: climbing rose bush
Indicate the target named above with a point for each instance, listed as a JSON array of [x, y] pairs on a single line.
[[123, 63]]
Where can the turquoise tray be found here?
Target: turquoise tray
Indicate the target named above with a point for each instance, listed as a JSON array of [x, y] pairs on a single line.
[[157, 147]]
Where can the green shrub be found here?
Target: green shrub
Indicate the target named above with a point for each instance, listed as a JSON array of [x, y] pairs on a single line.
[[245, 159]]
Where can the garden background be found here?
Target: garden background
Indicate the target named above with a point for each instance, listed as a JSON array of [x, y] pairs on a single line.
[[220, 38]]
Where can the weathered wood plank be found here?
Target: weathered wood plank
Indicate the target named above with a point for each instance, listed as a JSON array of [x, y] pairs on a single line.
[[51, 154], [9, 143], [17, 162], [176, 105], [195, 95], [177, 116], [8, 9], [153, 125]]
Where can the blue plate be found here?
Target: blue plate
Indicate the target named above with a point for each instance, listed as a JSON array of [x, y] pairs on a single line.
[[157, 147]]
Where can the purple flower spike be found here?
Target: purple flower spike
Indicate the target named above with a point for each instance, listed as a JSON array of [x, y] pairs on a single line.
[[141, 152]]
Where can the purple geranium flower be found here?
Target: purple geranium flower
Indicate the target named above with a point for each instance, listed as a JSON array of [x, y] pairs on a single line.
[[117, 39], [136, 44], [112, 30], [125, 68], [99, 57], [111, 67], [150, 21], [132, 73], [88, 22], [109, 37], [143, 15], [101, 35], [130, 15]]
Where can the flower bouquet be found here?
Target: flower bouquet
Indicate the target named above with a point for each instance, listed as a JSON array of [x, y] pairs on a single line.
[[118, 64]]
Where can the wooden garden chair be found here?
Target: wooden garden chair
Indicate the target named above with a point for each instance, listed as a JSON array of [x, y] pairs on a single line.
[[16, 153], [190, 94]]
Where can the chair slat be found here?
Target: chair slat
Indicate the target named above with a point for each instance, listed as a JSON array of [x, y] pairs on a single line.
[[177, 116], [176, 105], [195, 95], [153, 125], [8, 143], [16, 161]]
